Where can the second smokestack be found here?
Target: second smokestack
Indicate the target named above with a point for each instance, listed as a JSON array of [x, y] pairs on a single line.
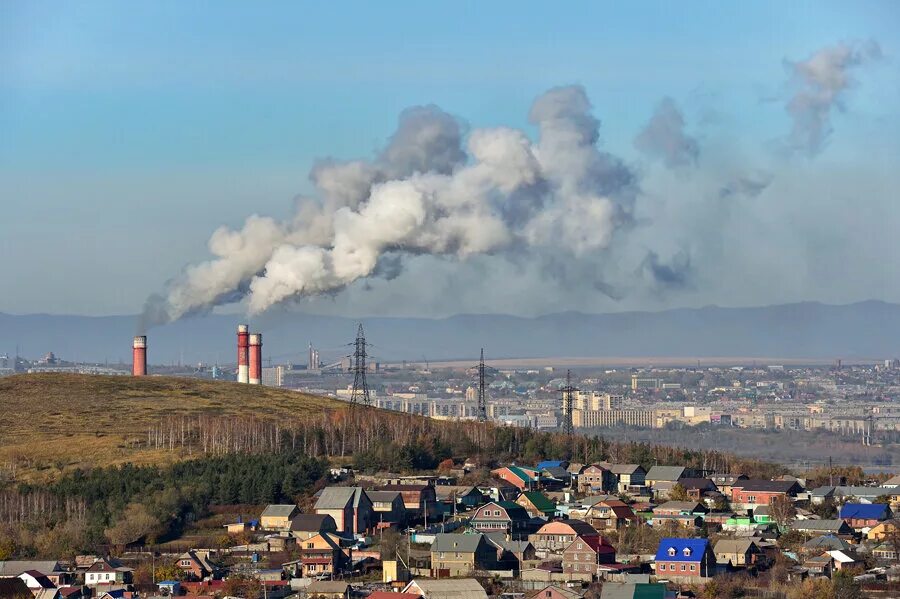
[[243, 339], [139, 356], [255, 358]]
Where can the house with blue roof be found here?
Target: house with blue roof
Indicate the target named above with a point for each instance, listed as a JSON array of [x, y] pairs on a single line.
[[552, 464], [864, 515], [684, 560]]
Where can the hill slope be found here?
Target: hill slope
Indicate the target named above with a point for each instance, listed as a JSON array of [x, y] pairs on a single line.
[[865, 330], [54, 422]]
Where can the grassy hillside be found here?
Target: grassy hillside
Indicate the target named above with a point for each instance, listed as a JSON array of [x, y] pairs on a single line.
[[55, 422]]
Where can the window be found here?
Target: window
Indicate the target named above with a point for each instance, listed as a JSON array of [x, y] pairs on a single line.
[[683, 567], [751, 498], [687, 551], [672, 552], [693, 567], [579, 545]]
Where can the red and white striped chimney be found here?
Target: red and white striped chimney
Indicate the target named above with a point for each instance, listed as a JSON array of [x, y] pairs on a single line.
[[139, 356], [255, 358], [243, 335]]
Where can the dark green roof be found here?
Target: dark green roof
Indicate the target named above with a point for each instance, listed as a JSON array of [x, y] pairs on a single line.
[[540, 501]]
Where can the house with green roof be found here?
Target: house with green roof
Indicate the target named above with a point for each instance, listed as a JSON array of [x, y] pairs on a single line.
[[526, 479], [536, 504]]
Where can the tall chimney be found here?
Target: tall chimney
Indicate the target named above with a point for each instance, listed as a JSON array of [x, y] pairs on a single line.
[[255, 358], [139, 356], [243, 351]]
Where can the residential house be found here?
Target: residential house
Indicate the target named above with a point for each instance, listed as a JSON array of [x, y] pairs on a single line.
[[596, 478], [320, 555], [698, 488], [554, 537], [536, 504], [740, 552], [49, 568], [636, 590], [756, 492], [196, 565], [501, 516], [420, 501], [685, 513], [524, 479], [822, 527], [304, 526], [819, 565], [864, 515], [885, 551], [842, 493], [630, 478], [105, 572], [667, 474], [350, 507], [725, 482], [554, 477], [39, 585], [684, 560], [816, 545], [584, 554], [453, 588], [553, 464], [328, 589], [460, 497], [454, 555], [511, 554], [610, 514], [499, 489], [847, 559], [278, 517], [554, 592], [388, 507], [884, 530]]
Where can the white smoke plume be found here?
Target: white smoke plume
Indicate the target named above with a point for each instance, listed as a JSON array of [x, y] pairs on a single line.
[[425, 193], [819, 86], [664, 137]]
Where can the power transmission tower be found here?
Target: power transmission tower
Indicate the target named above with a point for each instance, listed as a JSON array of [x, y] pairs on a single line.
[[360, 385], [568, 401], [482, 404]]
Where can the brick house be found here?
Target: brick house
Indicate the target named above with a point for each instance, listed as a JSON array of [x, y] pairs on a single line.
[[196, 565], [503, 516], [554, 537], [454, 555], [684, 560], [278, 517], [584, 554], [350, 507], [864, 515], [596, 478], [763, 492], [740, 552], [319, 555]]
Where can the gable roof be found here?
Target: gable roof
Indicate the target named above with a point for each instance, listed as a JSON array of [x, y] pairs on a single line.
[[733, 545], [313, 522], [826, 542], [633, 590], [568, 527], [668, 473], [893, 481], [11, 568], [279, 510], [831, 525], [596, 543], [561, 591], [624, 468], [384, 496], [540, 501], [864, 511], [453, 588], [513, 510], [337, 498], [696, 548], [327, 586], [552, 464], [704, 484]]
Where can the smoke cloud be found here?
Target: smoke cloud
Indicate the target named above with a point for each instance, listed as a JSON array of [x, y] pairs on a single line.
[[431, 191], [819, 85], [664, 137]]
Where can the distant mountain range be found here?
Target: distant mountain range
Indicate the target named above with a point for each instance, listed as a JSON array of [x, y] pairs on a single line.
[[865, 330]]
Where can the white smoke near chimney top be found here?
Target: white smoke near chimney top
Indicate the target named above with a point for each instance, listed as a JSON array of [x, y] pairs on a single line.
[[426, 193]]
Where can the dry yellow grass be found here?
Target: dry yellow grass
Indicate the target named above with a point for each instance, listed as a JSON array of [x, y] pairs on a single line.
[[54, 422]]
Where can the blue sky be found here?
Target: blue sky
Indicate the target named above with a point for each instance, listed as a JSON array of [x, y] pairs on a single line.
[[129, 131]]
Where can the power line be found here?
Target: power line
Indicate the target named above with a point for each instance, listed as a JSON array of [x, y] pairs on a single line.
[[360, 384], [568, 401]]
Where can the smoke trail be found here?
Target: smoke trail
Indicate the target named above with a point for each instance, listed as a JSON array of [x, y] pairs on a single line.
[[425, 193], [820, 82]]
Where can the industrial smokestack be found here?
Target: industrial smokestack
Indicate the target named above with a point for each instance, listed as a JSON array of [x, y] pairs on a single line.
[[256, 359], [243, 354], [139, 356]]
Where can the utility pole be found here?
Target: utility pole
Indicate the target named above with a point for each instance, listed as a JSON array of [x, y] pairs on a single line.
[[360, 385], [568, 401], [482, 404]]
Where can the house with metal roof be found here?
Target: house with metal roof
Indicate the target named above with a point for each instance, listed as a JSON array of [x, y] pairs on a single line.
[[350, 507], [278, 516], [536, 504], [864, 515], [455, 555], [636, 590], [684, 560], [822, 527], [452, 588], [502, 516]]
